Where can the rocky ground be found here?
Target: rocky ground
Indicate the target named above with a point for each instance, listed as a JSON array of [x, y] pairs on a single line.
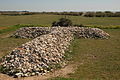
[[85, 32], [63, 72], [38, 56], [46, 52]]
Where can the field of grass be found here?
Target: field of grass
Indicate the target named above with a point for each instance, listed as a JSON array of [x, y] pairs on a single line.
[[7, 44], [46, 20], [15, 27], [97, 59], [11, 23]]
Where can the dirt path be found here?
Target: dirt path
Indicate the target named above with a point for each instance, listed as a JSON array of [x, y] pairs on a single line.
[[61, 73]]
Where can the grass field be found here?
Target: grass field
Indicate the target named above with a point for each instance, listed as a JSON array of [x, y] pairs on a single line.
[[97, 59], [46, 20], [7, 44]]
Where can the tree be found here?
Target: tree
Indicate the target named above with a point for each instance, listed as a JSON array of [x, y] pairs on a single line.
[[63, 22]]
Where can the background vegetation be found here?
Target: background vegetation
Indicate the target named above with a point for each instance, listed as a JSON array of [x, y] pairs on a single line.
[[86, 14], [63, 22]]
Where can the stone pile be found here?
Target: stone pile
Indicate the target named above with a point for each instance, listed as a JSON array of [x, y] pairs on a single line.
[[79, 32], [38, 56], [86, 32], [31, 32], [46, 51]]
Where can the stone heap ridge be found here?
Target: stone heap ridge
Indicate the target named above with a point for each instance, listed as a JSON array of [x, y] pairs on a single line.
[[79, 32], [38, 56], [46, 51], [31, 32]]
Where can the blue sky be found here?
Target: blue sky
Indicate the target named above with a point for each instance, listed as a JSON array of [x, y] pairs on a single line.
[[60, 5]]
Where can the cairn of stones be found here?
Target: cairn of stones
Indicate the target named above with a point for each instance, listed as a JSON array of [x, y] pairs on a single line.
[[46, 51]]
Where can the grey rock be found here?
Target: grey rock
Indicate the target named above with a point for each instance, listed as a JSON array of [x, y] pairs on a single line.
[[18, 75]]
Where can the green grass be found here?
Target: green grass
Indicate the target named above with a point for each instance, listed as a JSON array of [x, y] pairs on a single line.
[[28, 19], [9, 29], [15, 22], [46, 20], [97, 59], [15, 27], [104, 27], [8, 44]]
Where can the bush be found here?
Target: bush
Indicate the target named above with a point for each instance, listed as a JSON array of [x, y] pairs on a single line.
[[62, 22]]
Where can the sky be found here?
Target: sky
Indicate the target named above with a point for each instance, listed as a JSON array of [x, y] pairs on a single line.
[[59, 5]]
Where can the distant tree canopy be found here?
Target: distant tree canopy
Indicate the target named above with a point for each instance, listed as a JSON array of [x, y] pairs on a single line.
[[102, 14], [64, 13], [63, 22], [86, 14]]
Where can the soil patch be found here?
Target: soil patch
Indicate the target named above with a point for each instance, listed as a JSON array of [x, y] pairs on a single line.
[[63, 72], [3, 28]]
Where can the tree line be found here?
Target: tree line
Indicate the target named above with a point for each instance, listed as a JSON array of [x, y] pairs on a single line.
[[102, 14], [64, 13], [85, 14], [15, 13]]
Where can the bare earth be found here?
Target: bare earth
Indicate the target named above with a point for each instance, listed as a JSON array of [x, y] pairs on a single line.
[[3, 28], [61, 73]]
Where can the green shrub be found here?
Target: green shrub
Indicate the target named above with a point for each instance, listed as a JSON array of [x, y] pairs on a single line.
[[62, 22]]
